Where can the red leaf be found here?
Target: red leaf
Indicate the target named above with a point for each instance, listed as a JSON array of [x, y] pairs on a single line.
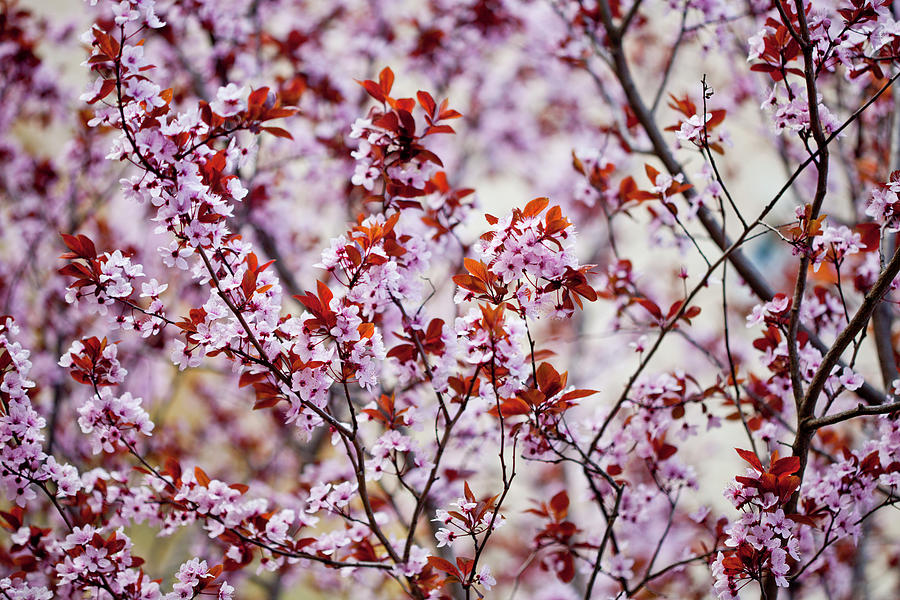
[[511, 407], [81, 245], [201, 476], [665, 451], [279, 132], [478, 269], [386, 80], [105, 88], [251, 378], [751, 458], [575, 394], [560, 505], [535, 207], [266, 402], [785, 466], [436, 562], [673, 310], [373, 89], [426, 101], [257, 98], [325, 294], [651, 307], [567, 572]]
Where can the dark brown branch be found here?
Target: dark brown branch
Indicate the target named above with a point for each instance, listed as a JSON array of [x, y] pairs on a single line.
[[812, 99], [859, 411], [882, 322]]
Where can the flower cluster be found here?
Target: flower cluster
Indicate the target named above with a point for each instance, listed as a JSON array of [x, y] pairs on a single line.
[[528, 263], [113, 422], [845, 490], [390, 151], [696, 129], [23, 461], [469, 518], [835, 244], [94, 362], [764, 538], [544, 404], [194, 577], [884, 204], [102, 281]]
